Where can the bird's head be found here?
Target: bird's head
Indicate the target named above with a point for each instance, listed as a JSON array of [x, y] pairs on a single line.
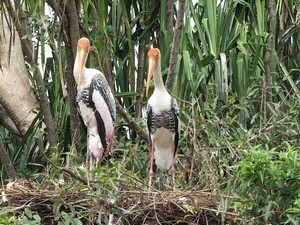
[[83, 46], [153, 57]]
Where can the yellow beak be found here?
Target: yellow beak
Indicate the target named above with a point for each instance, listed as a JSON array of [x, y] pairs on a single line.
[[82, 58], [151, 68]]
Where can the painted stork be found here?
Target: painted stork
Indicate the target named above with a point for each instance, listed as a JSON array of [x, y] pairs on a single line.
[[162, 119], [96, 105]]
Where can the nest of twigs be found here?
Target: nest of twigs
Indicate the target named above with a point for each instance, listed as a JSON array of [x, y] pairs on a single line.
[[131, 207]]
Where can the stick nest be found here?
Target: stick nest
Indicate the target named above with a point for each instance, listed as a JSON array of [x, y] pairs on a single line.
[[133, 206]]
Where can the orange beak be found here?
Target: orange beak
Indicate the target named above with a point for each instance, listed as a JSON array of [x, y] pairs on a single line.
[[151, 68], [82, 54]]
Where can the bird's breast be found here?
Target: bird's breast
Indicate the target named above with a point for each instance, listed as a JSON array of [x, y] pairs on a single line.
[[160, 101]]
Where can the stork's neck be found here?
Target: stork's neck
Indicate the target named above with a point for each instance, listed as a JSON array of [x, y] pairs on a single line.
[[157, 77], [76, 68]]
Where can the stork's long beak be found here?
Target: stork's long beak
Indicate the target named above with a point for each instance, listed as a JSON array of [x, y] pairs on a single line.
[[151, 68], [82, 58]]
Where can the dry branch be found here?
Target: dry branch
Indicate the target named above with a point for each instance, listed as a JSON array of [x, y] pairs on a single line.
[[131, 123], [25, 193], [134, 205]]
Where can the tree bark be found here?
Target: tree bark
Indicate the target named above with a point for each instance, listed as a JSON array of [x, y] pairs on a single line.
[[71, 34], [71, 29], [5, 160], [268, 53], [170, 19], [16, 95], [28, 53], [140, 79], [175, 45], [6, 122]]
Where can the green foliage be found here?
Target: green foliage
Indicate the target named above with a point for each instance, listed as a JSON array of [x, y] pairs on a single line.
[[267, 183], [28, 218]]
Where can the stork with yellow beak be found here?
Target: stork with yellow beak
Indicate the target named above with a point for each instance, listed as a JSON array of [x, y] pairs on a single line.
[[96, 105], [162, 119]]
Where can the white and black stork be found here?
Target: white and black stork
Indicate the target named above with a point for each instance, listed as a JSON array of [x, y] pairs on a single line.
[[96, 105], [162, 119]]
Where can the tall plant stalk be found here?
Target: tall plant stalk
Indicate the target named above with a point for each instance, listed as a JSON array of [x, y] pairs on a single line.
[[267, 91]]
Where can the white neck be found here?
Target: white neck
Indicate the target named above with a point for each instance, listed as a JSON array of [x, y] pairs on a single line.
[[157, 77], [76, 68]]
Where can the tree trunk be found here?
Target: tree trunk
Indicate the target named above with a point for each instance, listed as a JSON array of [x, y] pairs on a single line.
[[71, 34], [27, 51], [170, 19], [16, 95], [175, 45], [71, 28], [140, 79], [4, 158]]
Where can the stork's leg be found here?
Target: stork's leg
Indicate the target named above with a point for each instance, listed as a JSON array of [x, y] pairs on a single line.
[[151, 164], [173, 170], [91, 162], [88, 165], [110, 147], [111, 143]]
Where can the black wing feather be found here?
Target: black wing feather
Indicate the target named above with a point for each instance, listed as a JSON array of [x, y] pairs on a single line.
[[175, 112], [168, 119], [149, 120], [100, 84], [101, 128]]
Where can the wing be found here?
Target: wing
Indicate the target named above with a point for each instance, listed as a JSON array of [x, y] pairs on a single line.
[[149, 119], [175, 112], [102, 101], [99, 84]]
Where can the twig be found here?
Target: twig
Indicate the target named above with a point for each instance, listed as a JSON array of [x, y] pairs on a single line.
[[72, 174], [131, 123], [266, 129], [110, 206], [218, 211]]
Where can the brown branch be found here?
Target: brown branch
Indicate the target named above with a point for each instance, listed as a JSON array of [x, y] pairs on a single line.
[[57, 9], [6, 121], [72, 174], [268, 54], [5, 160], [175, 45], [131, 123]]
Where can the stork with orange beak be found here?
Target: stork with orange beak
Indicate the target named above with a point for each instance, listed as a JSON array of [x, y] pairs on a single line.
[[96, 104], [162, 119]]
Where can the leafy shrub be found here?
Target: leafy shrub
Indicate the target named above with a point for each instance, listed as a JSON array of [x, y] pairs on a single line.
[[267, 183]]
